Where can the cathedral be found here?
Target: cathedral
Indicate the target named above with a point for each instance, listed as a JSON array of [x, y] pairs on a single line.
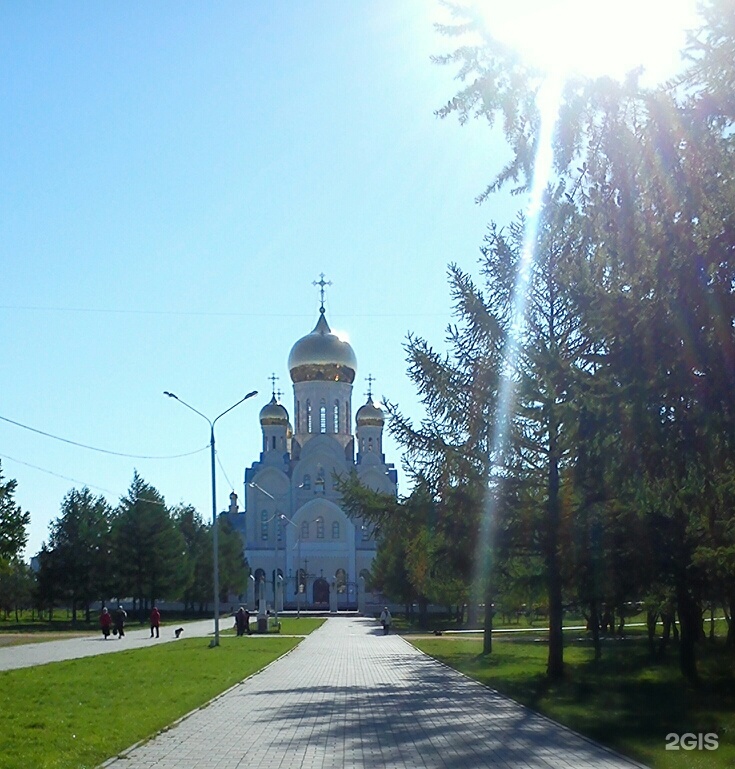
[[304, 551]]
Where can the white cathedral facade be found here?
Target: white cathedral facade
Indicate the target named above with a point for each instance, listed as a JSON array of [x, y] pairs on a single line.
[[304, 551]]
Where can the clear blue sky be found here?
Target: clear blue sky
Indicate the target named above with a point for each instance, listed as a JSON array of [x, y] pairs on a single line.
[[174, 177]]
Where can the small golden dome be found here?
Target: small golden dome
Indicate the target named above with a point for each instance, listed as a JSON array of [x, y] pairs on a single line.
[[322, 356], [370, 415], [273, 413]]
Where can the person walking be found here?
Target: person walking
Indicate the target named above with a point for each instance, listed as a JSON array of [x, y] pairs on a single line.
[[120, 616], [105, 622], [242, 621], [385, 620], [155, 621]]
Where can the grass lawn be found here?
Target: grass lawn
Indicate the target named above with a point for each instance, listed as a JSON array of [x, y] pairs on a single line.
[[623, 701], [78, 713], [289, 625]]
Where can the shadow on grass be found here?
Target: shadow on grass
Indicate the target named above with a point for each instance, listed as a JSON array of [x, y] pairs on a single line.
[[624, 700]]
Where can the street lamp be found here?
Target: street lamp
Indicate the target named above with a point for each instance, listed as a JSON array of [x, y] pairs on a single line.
[[278, 515], [298, 564], [215, 538]]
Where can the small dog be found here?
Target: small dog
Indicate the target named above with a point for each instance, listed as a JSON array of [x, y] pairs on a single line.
[[178, 631]]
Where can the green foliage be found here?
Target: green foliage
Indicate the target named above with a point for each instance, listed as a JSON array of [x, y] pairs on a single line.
[[13, 522], [626, 370], [82, 549], [149, 548]]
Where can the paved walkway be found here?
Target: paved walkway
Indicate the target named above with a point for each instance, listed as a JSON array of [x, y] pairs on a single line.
[[348, 696], [28, 655]]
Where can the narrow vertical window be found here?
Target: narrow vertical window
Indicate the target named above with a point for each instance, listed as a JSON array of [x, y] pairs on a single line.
[[304, 530], [336, 417], [320, 528], [264, 525], [274, 441], [308, 417], [322, 417], [348, 417], [335, 530], [298, 416]]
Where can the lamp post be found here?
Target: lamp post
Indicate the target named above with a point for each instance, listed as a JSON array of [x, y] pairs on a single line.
[[215, 538], [278, 515], [298, 564]]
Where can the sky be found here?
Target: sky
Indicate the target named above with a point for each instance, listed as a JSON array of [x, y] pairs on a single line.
[[176, 176]]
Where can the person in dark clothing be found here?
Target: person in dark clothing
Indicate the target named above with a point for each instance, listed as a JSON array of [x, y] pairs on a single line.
[[120, 616], [242, 621], [155, 621]]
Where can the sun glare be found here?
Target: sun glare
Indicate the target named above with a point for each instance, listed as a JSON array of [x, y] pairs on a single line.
[[594, 38]]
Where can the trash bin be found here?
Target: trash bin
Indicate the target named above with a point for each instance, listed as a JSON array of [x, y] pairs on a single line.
[[262, 624]]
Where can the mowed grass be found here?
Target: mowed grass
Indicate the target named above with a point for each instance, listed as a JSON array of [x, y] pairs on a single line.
[[623, 701], [289, 626], [76, 714]]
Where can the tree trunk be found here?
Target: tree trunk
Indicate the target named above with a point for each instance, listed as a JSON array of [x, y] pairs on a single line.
[[730, 640], [423, 613], [651, 619], [555, 664], [594, 625], [690, 619], [487, 628]]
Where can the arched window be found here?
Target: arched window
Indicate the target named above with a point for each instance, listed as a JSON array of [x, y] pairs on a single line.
[[335, 415], [322, 417], [340, 580], [307, 482], [274, 441], [319, 485], [370, 444], [335, 530], [309, 425], [304, 530], [320, 528], [348, 417], [298, 416], [264, 525]]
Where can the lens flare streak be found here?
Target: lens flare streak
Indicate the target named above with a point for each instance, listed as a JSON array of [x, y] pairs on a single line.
[[548, 101]]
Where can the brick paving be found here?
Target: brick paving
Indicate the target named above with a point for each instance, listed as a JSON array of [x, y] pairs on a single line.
[[348, 696]]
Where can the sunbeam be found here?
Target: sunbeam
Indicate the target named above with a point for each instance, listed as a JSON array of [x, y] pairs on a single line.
[[548, 101]]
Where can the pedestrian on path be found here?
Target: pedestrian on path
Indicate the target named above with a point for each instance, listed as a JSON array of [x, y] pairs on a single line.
[[120, 616], [242, 621], [385, 620], [105, 622], [155, 621]]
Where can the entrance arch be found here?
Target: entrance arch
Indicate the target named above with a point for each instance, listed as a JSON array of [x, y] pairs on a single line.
[[321, 591]]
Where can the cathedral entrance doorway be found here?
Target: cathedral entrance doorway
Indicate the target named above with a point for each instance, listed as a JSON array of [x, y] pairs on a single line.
[[321, 592]]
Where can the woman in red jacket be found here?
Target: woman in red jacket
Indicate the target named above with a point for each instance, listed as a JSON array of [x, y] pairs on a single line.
[[105, 622]]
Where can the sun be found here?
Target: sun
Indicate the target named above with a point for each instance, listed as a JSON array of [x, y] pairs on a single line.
[[594, 37]]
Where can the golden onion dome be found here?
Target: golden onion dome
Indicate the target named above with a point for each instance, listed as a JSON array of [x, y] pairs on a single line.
[[370, 415], [273, 413], [322, 356]]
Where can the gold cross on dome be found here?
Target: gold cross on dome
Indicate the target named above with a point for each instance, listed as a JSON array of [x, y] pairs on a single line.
[[321, 283], [273, 379]]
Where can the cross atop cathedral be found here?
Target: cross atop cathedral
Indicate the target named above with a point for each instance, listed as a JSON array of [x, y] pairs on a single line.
[[321, 283], [279, 394], [370, 379], [273, 379]]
